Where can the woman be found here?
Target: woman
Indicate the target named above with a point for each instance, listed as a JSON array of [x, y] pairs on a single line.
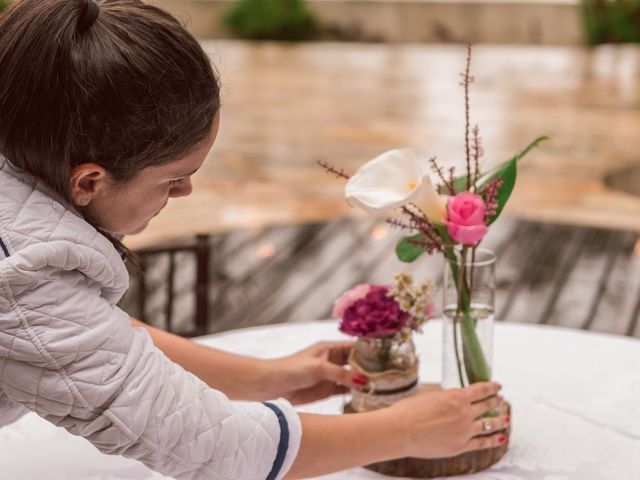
[[106, 111]]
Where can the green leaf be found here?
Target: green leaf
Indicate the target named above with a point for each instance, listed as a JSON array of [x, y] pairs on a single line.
[[507, 171], [530, 147], [460, 183], [407, 251]]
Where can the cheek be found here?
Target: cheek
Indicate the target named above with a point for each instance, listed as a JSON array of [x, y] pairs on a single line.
[[142, 206], [158, 201]]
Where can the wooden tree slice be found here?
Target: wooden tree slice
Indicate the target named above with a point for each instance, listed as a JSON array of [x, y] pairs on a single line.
[[466, 463]]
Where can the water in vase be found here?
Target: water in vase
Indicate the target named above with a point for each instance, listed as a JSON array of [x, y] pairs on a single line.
[[483, 319]]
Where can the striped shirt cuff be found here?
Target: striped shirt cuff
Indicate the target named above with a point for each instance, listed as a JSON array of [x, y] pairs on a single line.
[[290, 437]]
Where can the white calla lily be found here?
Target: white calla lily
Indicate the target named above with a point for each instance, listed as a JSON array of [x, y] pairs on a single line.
[[393, 179]]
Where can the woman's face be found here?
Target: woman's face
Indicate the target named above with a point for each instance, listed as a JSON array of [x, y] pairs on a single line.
[[127, 207]]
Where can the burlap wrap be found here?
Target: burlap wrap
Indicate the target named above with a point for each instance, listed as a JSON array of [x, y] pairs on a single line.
[[384, 388]]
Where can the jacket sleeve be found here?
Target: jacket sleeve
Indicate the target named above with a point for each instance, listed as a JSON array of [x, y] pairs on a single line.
[[72, 357]]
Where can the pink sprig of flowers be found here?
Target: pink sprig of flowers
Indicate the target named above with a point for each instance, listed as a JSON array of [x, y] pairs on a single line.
[[491, 192]]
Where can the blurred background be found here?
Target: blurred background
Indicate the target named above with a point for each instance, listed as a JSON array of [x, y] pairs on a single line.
[[267, 237], [549, 22]]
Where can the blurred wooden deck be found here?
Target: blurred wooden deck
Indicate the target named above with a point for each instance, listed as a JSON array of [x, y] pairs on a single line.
[[287, 106], [285, 244], [578, 277]]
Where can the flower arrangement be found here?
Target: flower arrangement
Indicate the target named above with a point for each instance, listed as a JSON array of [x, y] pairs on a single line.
[[378, 311], [451, 217], [383, 319]]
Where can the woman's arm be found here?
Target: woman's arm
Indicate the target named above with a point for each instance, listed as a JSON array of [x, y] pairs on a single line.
[[312, 374], [428, 425], [87, 370], [240, 378]]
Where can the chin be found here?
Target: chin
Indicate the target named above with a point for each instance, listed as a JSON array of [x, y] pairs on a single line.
[[130, 230], [137, 230]]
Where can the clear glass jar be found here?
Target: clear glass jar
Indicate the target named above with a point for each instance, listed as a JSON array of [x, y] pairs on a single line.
[[391, 365], [386, 353], [468, 321]]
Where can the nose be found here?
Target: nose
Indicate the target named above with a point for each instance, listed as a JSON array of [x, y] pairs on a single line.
[[183, 190]]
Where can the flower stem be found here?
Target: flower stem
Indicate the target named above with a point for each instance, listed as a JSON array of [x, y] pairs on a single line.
[[456, 320], [476, 366], [465, 83], [384, 353], [457, 350]]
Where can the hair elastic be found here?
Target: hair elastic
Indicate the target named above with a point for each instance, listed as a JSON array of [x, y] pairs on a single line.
[[89, 16]]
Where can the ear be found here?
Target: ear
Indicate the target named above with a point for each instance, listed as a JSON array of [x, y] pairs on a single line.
[[87, 180]]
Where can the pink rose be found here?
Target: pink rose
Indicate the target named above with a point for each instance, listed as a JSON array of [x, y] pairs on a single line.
[[348, 298], [466, 218]]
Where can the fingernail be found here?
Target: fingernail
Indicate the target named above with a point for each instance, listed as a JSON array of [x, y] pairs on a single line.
[[502, 439], [360, 379], [507, 419]]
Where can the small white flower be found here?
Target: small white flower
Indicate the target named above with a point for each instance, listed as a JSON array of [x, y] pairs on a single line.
[[392, 180]]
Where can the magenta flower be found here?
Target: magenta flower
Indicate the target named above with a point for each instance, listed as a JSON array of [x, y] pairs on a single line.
[[466, 218], [375, 315], [348, 298]]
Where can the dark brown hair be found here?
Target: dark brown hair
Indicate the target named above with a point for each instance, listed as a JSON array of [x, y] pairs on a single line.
[[129, 90]]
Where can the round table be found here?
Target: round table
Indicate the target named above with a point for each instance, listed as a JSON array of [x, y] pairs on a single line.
[[575, 397]]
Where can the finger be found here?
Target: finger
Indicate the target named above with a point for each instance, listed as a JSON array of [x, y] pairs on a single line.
[[490, 425], [340, 389], [340, 346], [329, 388], [480, 408], [339, 352], [327, 346], [340, 375], [484, 442], [480, 391]]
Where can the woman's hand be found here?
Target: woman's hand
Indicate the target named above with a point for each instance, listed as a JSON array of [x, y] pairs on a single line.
[[314, 373], [309, 375], [446, 423], [428, 425]]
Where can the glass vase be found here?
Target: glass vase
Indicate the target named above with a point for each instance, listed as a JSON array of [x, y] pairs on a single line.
[[468, 320], [390, 364]]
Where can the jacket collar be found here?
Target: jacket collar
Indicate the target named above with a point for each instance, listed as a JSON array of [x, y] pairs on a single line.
[[32, 213]]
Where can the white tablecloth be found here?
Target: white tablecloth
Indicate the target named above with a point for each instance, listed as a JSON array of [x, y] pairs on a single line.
[[575, 397]]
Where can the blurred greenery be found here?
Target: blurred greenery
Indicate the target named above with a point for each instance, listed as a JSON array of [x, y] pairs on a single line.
[[271, 20], [3, 4], [611, 21]]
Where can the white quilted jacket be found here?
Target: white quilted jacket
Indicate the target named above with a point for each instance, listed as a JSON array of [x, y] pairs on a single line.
[[70, 355]]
